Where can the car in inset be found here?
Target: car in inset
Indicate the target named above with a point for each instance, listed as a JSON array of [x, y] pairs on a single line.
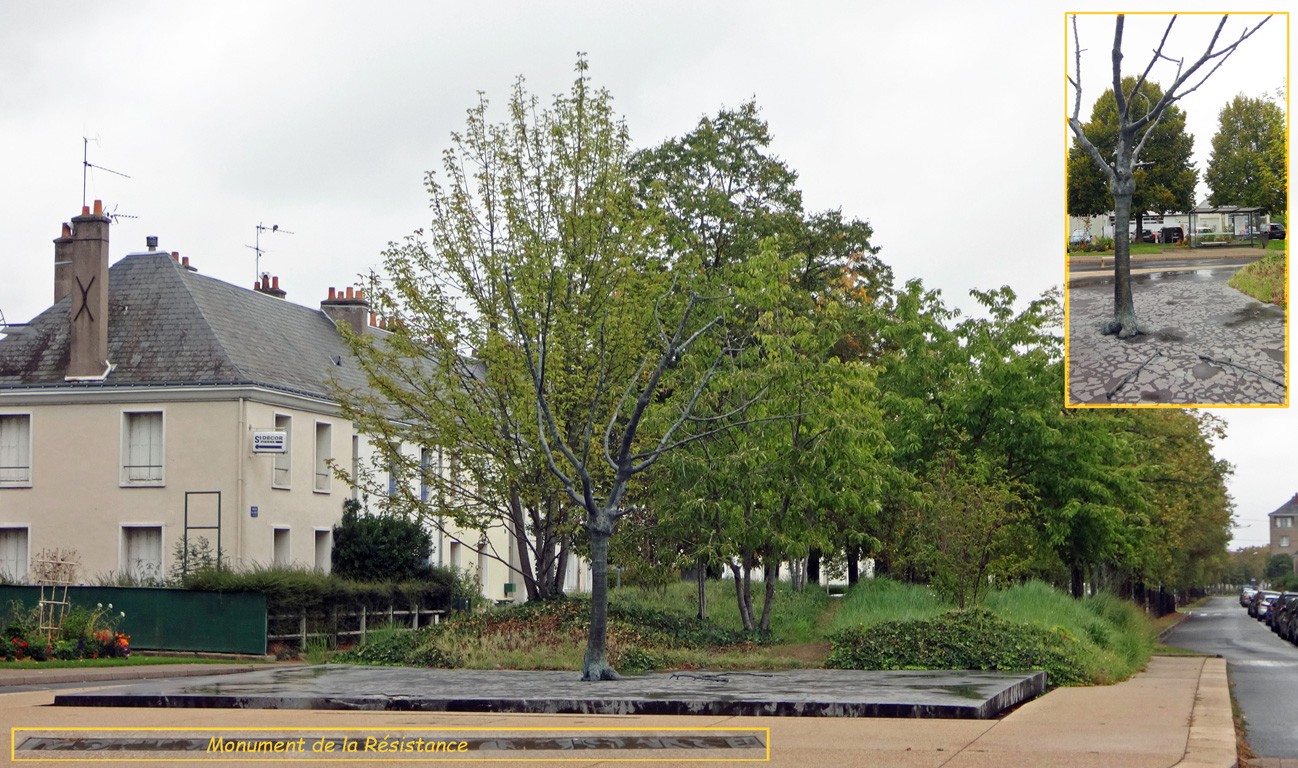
[[1173, 234], [1259, 599], [1276, 232], [1246, 593]]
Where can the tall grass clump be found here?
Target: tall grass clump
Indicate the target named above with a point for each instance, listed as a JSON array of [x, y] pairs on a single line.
[[1264, 279], [1116, 637], [879, 600]]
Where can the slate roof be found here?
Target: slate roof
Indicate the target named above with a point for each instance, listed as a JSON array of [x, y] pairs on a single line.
[[1290, 507], [170, 325]]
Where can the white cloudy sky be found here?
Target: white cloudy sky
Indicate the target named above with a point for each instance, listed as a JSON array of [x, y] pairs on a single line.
[[940, 123]]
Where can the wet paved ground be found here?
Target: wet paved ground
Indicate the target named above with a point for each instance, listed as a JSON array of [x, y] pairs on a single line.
[[810, 692], [1205, 343]]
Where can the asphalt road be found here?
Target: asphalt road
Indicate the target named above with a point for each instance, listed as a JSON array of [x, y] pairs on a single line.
[[1263, 671]]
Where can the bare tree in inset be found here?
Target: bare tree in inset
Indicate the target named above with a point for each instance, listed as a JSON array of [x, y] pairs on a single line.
[[1135, 127]]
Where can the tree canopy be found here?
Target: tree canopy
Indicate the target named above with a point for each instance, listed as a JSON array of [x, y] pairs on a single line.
[[1247, 166]]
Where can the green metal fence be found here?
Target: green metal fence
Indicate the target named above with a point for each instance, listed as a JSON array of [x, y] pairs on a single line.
[[158, 618]]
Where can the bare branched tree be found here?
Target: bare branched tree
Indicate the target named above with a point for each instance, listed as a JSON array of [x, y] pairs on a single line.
[[1136, 124]]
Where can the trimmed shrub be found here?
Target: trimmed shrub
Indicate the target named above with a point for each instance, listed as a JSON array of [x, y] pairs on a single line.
[[379, 547], [973, 639]]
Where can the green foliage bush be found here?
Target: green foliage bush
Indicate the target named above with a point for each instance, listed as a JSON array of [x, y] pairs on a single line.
[[379, 547], [299, 590], [973, 639]]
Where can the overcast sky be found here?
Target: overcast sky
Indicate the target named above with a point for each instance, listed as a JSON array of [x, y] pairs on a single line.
[[940, 123]]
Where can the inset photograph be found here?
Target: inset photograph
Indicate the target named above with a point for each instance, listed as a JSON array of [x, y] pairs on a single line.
[[1176, 270]]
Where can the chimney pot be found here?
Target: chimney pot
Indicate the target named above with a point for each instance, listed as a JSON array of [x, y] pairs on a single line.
[[175, 256], [85, 210], [373, 322], [67, 229], [185, 261], [360, 294], [350, 293], [256, 286], [99, 207], [151, 242], [274, 283], [332, 293]]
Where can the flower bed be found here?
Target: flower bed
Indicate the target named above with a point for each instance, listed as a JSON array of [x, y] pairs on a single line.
[[86, 633]]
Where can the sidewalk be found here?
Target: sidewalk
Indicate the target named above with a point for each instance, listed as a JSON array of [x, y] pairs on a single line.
[[1176, 713]]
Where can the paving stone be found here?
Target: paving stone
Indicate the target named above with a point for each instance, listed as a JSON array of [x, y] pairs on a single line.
[[1205, 343]]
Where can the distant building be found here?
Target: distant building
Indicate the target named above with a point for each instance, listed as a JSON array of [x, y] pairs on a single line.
[[1284, 536]]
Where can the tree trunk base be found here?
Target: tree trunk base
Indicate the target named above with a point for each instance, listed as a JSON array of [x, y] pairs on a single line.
[[599, 670], [1122, 329]]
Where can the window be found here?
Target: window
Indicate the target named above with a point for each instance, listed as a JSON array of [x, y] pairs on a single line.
[[425, 457], [455, 555], [356, 466], [13, 554], [142, 448], [1284, 542], [142, 553], [323, 455], [392, 478], [323, 548], [282, 555], [280, 475], [15, 451], [1284, 522]]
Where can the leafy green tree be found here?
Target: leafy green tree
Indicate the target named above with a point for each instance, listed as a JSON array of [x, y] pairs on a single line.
[[1247, 166], [1278, 566], [732, 206], [1165, 179], [970, 518], [379, 547], [1136, 122]]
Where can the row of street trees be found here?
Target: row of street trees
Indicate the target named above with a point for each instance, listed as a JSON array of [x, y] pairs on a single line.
[[665, 344]]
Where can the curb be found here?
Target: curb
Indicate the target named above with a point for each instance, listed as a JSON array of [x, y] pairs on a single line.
[[38, 677], [1211, 743]]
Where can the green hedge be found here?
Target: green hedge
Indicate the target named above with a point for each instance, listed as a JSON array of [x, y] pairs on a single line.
[[973, 639], [292, 591]]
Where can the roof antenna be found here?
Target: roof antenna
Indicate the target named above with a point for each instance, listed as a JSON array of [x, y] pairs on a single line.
[[86, 165], [263, 228]]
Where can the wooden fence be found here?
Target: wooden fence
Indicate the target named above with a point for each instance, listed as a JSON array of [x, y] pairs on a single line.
[[341, 628]]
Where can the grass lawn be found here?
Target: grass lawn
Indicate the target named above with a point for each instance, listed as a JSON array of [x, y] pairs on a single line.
[[1265, 278], [1104, 639]]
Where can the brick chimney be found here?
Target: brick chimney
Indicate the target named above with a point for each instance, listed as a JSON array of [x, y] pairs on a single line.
[[63, 263], [87, 284], [267, 285], [348, 308]]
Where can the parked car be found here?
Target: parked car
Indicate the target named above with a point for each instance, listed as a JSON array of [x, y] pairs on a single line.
[[1288, 624], [1246, 593], [1276, 232], [1173, 234], [1282, 605], [1078, 237], [1265, 605], [1259, 599]]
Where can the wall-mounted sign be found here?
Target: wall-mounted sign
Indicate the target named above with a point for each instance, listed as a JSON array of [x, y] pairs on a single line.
[[270, 442]]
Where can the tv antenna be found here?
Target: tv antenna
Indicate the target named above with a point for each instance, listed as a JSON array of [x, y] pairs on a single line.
[[86, 165], [273, 228], [115, 216]]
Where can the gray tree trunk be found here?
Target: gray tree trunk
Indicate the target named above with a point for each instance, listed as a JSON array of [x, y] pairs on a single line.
[[595, 666], [1124, 322]]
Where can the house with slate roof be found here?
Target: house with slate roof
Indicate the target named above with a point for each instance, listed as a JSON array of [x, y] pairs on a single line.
[[129, 408], [1284, 534]]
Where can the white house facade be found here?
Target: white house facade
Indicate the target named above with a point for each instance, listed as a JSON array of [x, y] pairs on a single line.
[[146, 408]]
